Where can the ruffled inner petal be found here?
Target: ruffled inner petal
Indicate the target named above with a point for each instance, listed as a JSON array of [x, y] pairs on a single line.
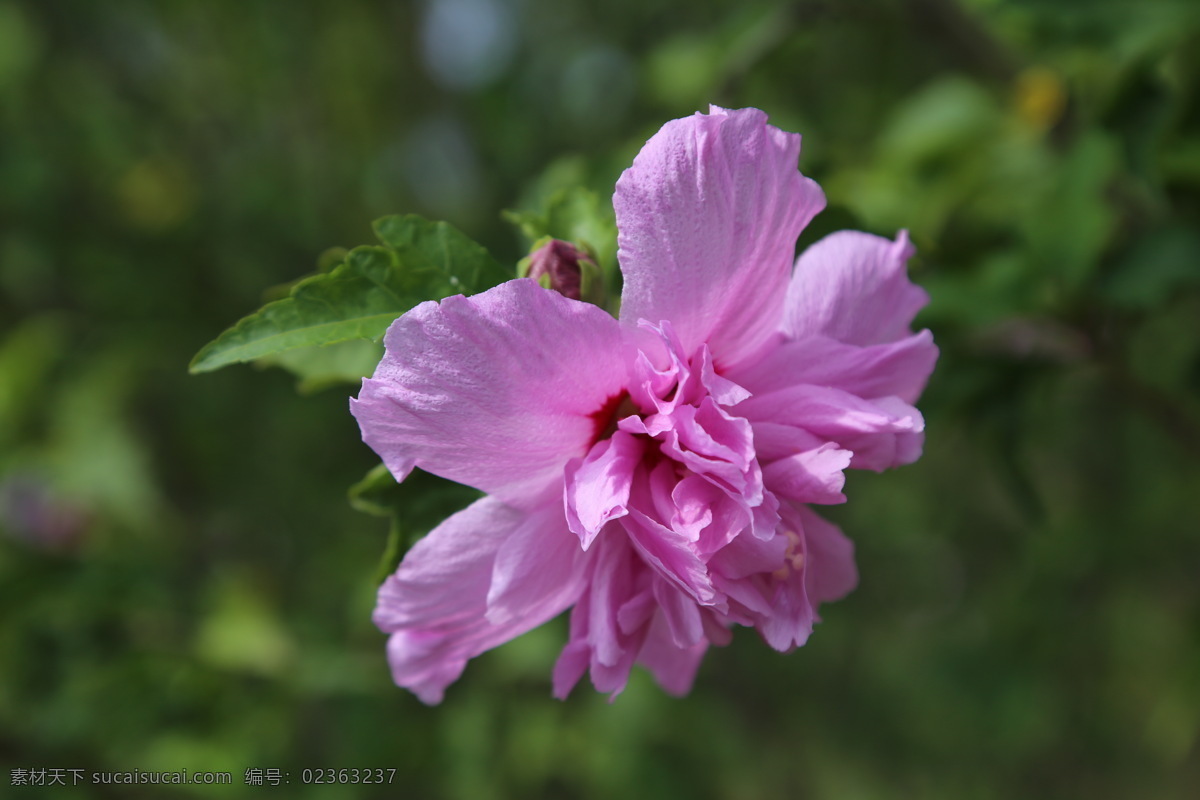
[[899, 368], [597, 487], [817, 566], [881, 433], [811, 476], [630, 614]]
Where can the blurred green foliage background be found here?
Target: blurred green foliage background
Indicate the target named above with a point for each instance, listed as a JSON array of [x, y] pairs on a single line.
[[183, 585]]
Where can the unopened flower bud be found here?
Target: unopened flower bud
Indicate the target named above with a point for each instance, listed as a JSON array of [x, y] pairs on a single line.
[[563, 267]]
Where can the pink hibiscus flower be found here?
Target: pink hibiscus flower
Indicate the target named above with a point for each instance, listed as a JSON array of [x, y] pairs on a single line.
[[654, 472]]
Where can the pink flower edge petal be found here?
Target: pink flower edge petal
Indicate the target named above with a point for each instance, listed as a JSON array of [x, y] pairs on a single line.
[[707, 220]]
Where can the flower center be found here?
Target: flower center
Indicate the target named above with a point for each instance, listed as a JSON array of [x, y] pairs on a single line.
[[606, 417]]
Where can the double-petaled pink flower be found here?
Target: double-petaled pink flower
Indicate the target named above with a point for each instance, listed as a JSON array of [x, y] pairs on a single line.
[[654, 472]]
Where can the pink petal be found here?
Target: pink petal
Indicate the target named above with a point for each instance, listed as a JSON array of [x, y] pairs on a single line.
[[692, 500], [747, 555], [610, 586], [680, 612], [853, 287], [495, 391], [631, 613], [790, 622], [781, 601], [576, 656], [539, 562], [710, 442], [898, 368], [599, 638], [813, 476], [829, 572], [674, 667], [875, 452], [596, 489], [668, 554], [571, 665], [779, 440], [637, 610], [721, 389], [882, 433], [708, 217], [435, 605]]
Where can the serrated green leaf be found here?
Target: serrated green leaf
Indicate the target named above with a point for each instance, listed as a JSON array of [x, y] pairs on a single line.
[[441, 252], [358, 299]]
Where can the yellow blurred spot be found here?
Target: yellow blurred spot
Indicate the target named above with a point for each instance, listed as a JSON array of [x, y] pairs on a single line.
[[155, 194], [1039, 97], [1171, 729]]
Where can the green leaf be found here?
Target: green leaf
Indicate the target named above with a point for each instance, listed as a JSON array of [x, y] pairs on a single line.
[[377, 493], [438, 253], [422, 501], [413, 508], [576, 215], [319, 368], [1073, 221], [358, 299], [1156, 267]]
